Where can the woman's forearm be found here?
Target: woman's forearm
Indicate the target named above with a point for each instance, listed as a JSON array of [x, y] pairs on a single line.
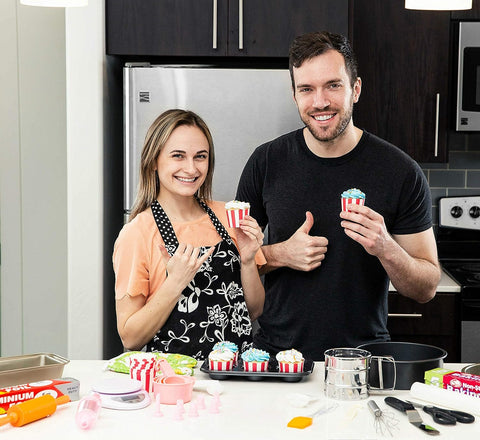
[[253, 289], [138, 321]]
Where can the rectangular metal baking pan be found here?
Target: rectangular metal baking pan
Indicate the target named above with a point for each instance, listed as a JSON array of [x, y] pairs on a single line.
[[272, 372], [16, 370]]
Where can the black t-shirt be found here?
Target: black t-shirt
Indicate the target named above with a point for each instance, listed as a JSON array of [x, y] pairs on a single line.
[[343, 303]]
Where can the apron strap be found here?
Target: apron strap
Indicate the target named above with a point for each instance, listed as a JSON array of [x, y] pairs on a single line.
[[216, 222], [166, 229]]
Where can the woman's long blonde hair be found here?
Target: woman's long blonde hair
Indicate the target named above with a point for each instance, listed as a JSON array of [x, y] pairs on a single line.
[[155, 140]]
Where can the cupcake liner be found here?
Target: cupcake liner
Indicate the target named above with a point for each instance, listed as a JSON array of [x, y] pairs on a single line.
[[235, 215], [255, 366], [145, 375], [287, 367], [221, 365], [346, 201]]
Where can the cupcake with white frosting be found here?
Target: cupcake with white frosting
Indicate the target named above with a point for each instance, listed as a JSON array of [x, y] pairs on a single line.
[[236, 211], [221, 359], [290, 361]]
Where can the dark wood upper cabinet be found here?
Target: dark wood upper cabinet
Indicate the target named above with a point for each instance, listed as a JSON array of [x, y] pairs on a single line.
[[403, 58], [269, 26], [471, 14], [166, 27], [239, 28]]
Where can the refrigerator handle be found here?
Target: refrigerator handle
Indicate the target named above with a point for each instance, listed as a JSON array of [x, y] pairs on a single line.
[[214, 25], [240, 24]]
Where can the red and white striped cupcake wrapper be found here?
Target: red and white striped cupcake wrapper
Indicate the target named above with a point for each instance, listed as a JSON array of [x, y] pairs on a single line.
[[255, 366], [143, 369], [221, 365], [145, 375], [235, 215], [286, 367], [346, 201]]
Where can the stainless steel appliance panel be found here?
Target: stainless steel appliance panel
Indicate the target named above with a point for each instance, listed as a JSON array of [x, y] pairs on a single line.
[[242, 107], [468, 88]]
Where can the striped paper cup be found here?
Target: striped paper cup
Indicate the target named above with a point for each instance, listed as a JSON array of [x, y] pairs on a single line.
[[235, 215], [348, 200], [290, 367], [145, 375], [255, 366]]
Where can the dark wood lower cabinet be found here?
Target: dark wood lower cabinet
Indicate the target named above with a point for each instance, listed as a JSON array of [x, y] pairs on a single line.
[[434, 323]]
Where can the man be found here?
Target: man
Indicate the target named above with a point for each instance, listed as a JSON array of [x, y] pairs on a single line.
[[328, 272]]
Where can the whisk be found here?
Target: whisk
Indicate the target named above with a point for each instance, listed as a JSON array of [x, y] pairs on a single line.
[[384, 421]]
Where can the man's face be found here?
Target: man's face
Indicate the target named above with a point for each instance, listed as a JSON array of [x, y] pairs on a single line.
[[324, 95]]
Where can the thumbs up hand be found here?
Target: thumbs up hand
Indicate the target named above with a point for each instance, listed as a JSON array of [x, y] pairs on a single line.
[[303, 251]]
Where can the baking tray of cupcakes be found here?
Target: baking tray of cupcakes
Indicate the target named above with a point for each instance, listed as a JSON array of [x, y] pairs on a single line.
[[255, 364]]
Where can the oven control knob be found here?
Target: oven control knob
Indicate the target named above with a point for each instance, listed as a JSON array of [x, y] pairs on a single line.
[[456, 211], [474, 212]]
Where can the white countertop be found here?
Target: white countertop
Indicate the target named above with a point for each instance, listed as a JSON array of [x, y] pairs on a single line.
[[446, 284], [250, 410]]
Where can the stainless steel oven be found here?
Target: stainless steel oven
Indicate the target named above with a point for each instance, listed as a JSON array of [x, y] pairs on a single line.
[[458, 239], [468, 87]]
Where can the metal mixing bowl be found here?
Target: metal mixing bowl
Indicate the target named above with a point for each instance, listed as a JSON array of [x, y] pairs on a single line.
[[472, 369]]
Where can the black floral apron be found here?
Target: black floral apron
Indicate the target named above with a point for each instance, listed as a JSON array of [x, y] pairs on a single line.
[[212, 307]]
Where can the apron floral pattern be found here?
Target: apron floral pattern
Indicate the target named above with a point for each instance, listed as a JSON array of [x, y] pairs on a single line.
[[212, 307]]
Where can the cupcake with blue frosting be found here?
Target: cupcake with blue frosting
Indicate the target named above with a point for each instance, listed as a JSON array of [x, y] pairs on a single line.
[[255, 360], [229, 346], [352, 196]]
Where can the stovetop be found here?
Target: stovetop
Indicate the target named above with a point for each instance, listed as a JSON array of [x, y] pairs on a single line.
[[465, 272]]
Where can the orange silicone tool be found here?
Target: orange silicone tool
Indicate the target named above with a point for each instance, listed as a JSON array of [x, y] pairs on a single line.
[[33, 409]]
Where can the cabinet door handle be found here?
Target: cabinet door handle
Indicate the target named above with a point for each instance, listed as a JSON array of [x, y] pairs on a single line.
[[437, 116], [240, 24], [214, 25], [404, 315]]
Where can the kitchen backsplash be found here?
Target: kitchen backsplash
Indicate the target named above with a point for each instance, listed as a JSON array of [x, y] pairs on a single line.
[[461, 175]]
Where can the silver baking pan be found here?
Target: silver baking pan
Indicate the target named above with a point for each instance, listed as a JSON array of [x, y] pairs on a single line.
[[16, 370]]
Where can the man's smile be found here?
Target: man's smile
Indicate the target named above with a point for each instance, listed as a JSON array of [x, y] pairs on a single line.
[[323, 117]]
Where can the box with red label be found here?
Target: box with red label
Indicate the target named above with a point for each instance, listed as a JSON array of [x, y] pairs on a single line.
[[56, 387], [463, 383]]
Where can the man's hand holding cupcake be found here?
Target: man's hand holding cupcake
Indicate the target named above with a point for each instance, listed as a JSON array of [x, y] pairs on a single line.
[[363, 224]]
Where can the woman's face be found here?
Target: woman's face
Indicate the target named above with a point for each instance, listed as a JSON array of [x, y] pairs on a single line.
[[182, 164]]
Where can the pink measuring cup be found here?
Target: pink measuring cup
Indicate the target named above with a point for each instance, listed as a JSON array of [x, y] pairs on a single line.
[[171, 386]]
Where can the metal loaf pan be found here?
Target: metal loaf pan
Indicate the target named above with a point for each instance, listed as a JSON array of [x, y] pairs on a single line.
[[16, 370]]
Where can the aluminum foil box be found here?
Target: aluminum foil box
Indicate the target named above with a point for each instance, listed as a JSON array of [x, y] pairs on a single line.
[[56, 387]]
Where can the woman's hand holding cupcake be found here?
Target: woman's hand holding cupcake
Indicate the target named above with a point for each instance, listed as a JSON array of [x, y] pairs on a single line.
[[249, 239]]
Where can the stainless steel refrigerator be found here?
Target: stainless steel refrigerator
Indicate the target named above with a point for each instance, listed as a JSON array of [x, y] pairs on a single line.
[[242, 107]]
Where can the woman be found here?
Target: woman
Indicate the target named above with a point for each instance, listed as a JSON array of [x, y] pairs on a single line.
[[184, 281]]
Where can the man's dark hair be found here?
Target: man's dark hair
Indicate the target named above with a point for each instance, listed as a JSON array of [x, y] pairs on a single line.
[[307, 46]]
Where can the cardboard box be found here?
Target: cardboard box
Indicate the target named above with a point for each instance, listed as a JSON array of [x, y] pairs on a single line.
[[56, 387], [463, 383], [436, 376]]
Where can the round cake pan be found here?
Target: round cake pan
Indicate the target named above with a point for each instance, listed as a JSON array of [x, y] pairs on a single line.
[[411, 362]]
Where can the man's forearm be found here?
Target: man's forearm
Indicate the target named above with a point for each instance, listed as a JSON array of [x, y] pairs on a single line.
[[273, 255], [415, 278]]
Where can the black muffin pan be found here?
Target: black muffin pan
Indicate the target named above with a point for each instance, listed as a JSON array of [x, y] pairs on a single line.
[[272, 372]]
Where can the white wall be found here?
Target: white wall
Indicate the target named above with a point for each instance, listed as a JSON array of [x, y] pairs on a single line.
[[85, 49], [51, 123]]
